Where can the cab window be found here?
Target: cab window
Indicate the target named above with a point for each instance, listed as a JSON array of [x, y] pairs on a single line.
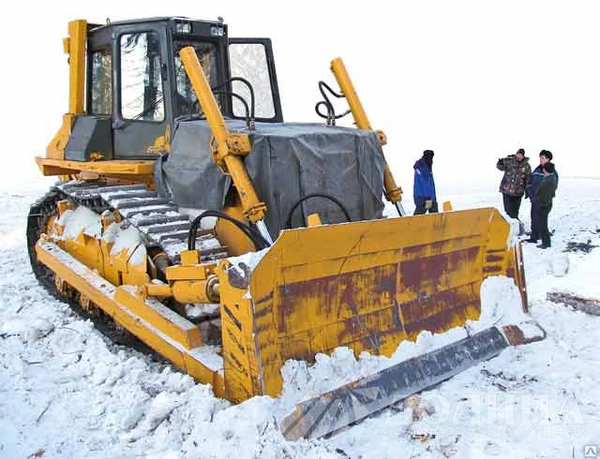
[[101, 82], [249, 60], [141, 81]]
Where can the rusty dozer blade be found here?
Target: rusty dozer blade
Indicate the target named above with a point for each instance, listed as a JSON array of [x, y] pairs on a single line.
[[365, 285], [352, 402]]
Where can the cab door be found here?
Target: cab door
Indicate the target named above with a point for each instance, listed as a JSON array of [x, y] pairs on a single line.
[[142, 107], [252, 59]]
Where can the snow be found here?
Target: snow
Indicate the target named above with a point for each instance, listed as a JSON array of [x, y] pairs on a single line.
[[67, 390], [80, 220], [247, 262], [128, 238]]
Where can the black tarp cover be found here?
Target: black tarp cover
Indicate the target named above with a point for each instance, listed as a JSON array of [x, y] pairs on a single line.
[[287, 161]]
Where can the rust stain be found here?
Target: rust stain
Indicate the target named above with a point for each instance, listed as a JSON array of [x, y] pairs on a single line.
[[268, 297], [234, 340], [492, 269], [236, 364], [262, 311], [441, 310], [347, 294], [436, 246], [515, 336], [429, 272], [442, 321], [233, 318]]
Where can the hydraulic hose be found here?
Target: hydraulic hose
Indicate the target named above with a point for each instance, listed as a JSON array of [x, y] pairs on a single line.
[[247, 84], [288, 223], [331, 116], [252, 234]]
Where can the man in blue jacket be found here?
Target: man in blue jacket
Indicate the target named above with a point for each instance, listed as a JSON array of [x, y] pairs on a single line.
[[424, 186]]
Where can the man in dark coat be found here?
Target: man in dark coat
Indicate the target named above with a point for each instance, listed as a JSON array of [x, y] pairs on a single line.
[[534, 181], [516, 176], [543, 204], [424, 186]]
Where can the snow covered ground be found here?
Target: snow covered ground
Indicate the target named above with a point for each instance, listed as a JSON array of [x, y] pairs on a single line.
[[65, 391]]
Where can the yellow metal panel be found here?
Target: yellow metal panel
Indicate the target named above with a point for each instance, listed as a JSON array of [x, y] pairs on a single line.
[[370, 285], [164, 319], [50, 166], [76, 48], [432, 234], [179, 272], [240, 353], [314, 220], [190, 257]]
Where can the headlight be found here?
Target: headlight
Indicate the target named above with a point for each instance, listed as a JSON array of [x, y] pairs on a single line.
[[183, 27], [217, 31]]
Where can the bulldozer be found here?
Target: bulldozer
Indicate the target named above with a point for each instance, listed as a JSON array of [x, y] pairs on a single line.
[[190, 215]]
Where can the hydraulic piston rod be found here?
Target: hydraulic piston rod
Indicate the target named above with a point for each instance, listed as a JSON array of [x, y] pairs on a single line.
[[392, 191]]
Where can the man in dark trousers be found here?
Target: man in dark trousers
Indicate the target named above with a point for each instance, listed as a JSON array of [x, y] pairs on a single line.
[[424, 186], [534, 181], [516, 176], [543, 204]]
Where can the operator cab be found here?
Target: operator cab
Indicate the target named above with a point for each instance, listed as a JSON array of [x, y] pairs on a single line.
[[138, 90]]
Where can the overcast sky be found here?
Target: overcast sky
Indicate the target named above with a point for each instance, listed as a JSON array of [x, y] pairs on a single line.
[[472, 80]]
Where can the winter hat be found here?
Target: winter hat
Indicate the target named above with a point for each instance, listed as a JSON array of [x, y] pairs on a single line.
[[547, 154], [428, 153], [520, 151], [549, 167]]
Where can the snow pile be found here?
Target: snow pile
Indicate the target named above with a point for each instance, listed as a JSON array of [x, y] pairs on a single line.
[[248, 261], [80, 220], [127, 237], [583, 270], [245, 264], [122, 235], [500, 304]]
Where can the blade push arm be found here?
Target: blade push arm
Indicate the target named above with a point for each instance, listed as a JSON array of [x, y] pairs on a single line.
[[228, 149]]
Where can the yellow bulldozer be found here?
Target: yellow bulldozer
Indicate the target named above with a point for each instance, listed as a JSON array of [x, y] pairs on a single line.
[[189, 214]]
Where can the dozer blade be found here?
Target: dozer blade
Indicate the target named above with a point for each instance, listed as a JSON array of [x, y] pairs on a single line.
[[368, 286]]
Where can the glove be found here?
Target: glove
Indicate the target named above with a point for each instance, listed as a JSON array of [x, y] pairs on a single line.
[[428, 204]]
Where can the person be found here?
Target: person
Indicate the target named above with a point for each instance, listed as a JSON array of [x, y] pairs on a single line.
[[424, 186], [534, 181], [543, 204], [516, 176]]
